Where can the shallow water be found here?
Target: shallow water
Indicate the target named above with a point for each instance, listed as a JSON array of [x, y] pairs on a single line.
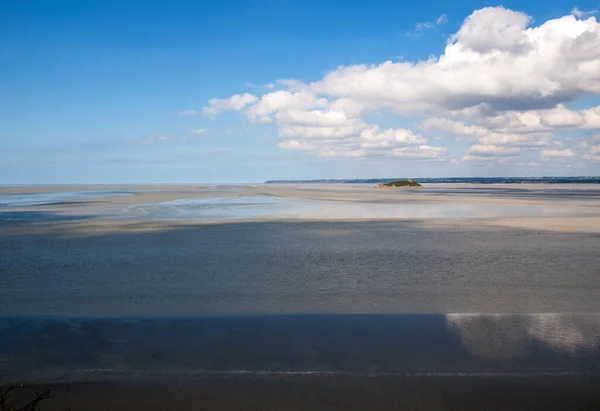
[[302, 267], [37, 199], [320, 202], [256, 207]]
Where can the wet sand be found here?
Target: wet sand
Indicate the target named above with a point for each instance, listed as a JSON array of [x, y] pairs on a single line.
[[333, 393], [324, 362], [142, 310], [300, 267], [557, 208], [86, 349], [327, 362]]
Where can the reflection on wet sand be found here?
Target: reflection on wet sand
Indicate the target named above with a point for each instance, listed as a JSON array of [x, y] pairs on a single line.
[[497, 336], [36, 198], [84, 349]]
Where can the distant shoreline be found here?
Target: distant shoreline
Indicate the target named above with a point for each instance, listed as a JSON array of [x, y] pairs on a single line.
[[475, 180]]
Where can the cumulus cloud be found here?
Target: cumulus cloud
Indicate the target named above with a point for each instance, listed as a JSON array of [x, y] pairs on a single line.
[[198, 131], [312, 132], [373, 137], [557, 61], [501, 84], [481, 136], [494, 29], [283, 100], [357, 140], [235, 102]]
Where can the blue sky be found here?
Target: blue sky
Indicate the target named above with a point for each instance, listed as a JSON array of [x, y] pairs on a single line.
[[120, 91]]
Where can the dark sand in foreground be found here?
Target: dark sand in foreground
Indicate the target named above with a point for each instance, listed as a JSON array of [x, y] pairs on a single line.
[[334, 393]]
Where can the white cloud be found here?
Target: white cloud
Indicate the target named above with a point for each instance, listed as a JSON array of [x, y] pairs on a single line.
[[590, 147], [198, 131], [518, 140], [312, 132], [561, 117], [298, 145], [591, 118], [356, 138], [590, 141], [557, 61], [487, 143], [282, 100], [372, 137], [422, 151], [592, 156], [325, 148], [582, 14], [421, 27], [501, 84], [557, 153], [511, 121], [338, 153], [235, 102], [494, 29], [316, 118], [484, 150], [486, 159], [453, 127], [269, 86]]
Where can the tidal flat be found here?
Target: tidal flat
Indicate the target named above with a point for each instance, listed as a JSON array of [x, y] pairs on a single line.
[[234, 295]]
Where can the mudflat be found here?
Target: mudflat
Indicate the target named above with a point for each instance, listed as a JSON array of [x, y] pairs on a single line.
[[302, 296], [209, 249], [564, 207]]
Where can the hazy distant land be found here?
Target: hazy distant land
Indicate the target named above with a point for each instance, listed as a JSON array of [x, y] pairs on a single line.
[[474, 180]]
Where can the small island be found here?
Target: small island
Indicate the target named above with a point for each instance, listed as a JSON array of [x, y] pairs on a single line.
[[400, 183]]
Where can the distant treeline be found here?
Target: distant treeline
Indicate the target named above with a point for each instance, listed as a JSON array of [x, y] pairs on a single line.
[[478, 180]]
